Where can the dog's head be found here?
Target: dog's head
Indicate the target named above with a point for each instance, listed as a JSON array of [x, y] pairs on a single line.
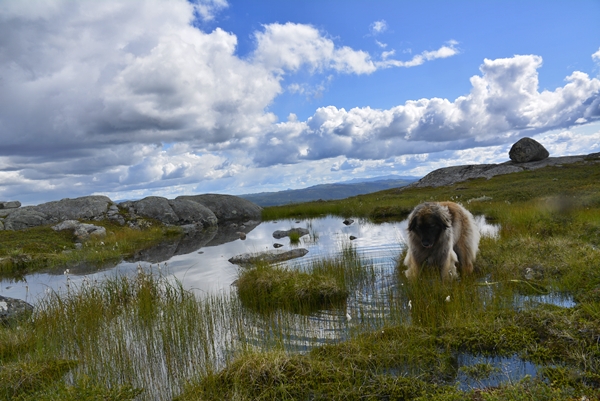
[[428, 221]]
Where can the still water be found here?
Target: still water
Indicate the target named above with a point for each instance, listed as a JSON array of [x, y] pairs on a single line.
[[202, 263]]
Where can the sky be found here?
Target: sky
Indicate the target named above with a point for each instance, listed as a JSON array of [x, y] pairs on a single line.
[[135, 98]]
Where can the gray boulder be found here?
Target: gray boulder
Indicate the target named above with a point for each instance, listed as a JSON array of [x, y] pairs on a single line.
[[82, 231], [84, 208], [10, 205], [527, 150], [11, 309], [228, 207], [156, 207], [25, 217], [267, 257], [182, 212], [190, 212]]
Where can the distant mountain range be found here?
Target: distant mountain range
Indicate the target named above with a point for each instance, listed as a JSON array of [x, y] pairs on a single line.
[[340, 190]]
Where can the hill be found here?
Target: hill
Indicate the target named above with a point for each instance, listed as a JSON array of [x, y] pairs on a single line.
[[334, 191]]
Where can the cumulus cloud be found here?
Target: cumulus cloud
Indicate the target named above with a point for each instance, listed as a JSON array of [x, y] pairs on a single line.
[[290, 46], [89, 94], [503, 104]]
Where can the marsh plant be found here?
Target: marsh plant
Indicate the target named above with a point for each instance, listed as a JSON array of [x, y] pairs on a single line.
[[145, 337]]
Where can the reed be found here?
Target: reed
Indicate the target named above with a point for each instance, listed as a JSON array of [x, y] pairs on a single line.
[[145, 337]]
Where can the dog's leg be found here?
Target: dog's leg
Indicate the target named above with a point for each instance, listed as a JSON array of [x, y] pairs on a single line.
[[413, 269], [449, 272]]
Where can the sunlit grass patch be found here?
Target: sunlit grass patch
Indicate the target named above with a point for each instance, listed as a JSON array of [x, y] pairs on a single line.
[[266, 287], [24, 251]]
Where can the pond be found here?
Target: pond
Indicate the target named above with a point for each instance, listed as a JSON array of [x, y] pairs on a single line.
[[201, 265], [205, 267]]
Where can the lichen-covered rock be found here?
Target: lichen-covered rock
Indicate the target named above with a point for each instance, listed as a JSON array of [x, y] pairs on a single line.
[[82, 231], [84, 208], [10, 205], [190, 212], [25, 217], [527, 150], [228, 207], [181, 212], [156, 207], [11, 309], [267, 257]]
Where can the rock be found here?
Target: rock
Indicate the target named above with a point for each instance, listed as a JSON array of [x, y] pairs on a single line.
[[176, 211], [113, 214], [11, 309], [527, 150], [82, 231], [267, 257], [10, 205], [352, 238], [280, 233], [84, 208], [193, 212], [348, 222], [276, 245], [455, 174], [228, 207], [242, 235], [157, 208], [25, 217]]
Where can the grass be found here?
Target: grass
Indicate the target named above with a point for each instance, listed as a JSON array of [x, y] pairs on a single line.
[[25, 251], [145, 337]]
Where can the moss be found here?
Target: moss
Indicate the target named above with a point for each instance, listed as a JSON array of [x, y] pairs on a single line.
[[266, 288]]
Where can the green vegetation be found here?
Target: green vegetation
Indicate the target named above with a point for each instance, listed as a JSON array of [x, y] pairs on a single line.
[[24, 251], [145, 337]]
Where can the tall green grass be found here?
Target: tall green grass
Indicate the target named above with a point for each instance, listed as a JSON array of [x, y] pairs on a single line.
[[146, 337]]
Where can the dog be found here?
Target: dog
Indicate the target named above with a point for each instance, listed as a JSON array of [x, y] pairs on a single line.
[[441, 235]]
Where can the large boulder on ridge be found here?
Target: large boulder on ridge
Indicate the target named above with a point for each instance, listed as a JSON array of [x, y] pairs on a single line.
[[228, 207], [527, 150], [85, 208], [176, 211]]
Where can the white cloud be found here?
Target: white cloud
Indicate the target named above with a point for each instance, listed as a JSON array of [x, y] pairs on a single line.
[[445, 51], [378, 27], [207, 9], [89, 93], [596, 56], [292, 46], [504, 103]]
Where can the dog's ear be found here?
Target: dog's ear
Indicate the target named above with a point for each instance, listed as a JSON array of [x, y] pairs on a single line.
[[412, 225], [443, 219]]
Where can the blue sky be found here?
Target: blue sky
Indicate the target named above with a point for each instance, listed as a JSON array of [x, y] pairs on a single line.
[[134, 98]]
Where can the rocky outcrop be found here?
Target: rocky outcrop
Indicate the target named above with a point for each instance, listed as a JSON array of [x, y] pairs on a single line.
[[26, 217], [174, 212], [192, 213], [11, 309], [82, 231], [455, 174], [267, 257], [85, 208], [527, 150], [227, 207]]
